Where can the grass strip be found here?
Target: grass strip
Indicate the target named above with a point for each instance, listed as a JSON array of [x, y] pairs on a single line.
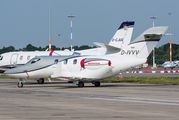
[[141, 80]]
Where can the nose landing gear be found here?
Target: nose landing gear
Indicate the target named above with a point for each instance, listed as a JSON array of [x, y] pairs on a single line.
[[20, 83]]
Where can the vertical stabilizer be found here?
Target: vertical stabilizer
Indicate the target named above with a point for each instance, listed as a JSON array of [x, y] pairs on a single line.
[[123, 35]]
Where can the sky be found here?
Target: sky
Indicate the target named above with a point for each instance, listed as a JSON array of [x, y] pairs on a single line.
[[24, 22]]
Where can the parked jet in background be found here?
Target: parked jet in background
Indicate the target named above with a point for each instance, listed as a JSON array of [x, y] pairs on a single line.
[[171, 64], [121, 38], [80, 69]]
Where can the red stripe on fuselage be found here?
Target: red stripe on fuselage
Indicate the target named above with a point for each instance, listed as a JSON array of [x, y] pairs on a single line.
[[51, 53]]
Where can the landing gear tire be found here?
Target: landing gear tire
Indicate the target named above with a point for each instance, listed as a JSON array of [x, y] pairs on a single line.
[[80, 84], [97, 84], [40, 81], [19, 84]]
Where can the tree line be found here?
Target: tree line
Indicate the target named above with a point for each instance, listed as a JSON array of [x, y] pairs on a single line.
[[162, 53]]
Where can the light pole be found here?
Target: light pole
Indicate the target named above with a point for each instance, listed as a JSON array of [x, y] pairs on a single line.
[[170, 41], [59, 42], [153, 17], [154, 65], [71, 28]]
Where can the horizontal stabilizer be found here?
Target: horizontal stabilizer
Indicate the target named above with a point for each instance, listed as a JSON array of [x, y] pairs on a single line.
[[150, 34], [144, 43], [109, 49]]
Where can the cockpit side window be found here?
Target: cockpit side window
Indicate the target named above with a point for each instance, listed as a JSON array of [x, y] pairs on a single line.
[[35, 60], [74, 61], [1, 57], [56, 61], [65, 61]]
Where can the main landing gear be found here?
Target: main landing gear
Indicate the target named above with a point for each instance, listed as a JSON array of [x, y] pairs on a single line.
[[81, 84], [20, 83], [40, 81], [96, 84]]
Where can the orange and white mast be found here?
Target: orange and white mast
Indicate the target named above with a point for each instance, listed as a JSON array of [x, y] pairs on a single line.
[[170, 41], [49, 29], [154, 65]]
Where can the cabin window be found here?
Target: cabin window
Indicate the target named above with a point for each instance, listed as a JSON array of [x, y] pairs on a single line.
[[74, 61], [1, 57], [35, 60], [65, 61], [56, 61], [28, 57], [21, 57]]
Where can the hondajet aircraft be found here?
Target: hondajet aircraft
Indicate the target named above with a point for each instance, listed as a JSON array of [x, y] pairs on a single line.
[[80, 69], [121, 38]]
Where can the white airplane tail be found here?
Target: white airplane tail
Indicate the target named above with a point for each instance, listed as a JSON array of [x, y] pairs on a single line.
[[144, 43], [123, 35]]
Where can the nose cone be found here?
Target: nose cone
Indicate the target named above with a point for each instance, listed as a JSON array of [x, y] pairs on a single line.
[[10, 71], [14, 70]]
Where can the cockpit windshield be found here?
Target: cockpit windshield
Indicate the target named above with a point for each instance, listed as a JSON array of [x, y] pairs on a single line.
[[34, 60], [1, 57]]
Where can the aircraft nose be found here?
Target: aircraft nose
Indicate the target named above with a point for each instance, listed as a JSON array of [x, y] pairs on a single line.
[[13, 71]]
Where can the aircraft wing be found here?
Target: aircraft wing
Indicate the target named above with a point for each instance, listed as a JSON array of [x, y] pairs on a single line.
[[87, 73], [110, 49]]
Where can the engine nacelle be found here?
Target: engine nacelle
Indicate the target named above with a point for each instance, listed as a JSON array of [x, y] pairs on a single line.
[[94, 63]]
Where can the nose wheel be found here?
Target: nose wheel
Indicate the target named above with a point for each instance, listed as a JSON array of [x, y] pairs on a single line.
[[20, 83]]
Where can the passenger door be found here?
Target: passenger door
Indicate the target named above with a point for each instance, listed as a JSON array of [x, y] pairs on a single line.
[[13, 61]]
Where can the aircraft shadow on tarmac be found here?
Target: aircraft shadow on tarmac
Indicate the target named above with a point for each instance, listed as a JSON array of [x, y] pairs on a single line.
[[64, 85]]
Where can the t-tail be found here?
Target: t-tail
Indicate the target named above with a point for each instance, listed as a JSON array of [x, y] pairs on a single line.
[[121, 38], [123, 35], [144, 43]]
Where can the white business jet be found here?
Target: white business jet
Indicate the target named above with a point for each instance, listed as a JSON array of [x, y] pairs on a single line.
[[169, 64], [80, 69], [121, 38]]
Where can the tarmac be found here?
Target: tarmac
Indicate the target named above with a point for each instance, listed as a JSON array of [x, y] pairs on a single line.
[[110, 101]]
